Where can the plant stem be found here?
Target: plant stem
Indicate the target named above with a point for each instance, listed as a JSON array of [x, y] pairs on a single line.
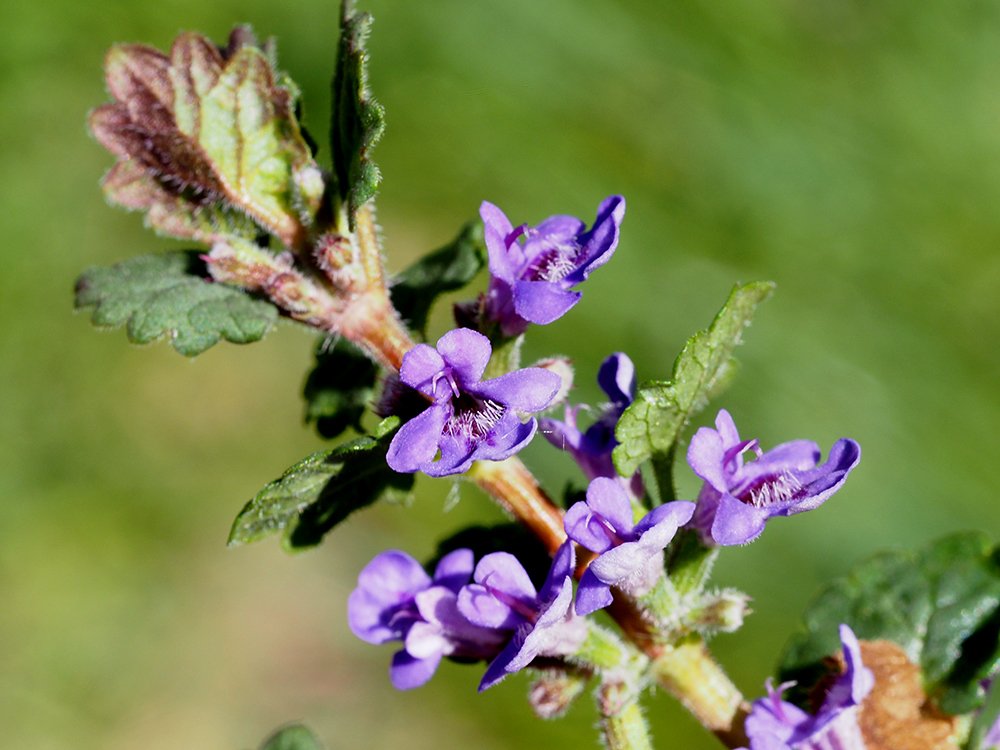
[[689, 673], [622, 721], [515, 490]]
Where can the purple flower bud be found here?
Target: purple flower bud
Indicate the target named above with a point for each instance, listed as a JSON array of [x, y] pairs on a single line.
[[397, 601], [737, 499], [774, 724], [543, 622], [630, 555], [592, 449], [468, 419], [533, 269]]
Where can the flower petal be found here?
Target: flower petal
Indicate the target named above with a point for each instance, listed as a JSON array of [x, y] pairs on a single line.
[[608, 498], [528, 390], [616, 377], [507, 437], [586, 528], [426, 639], [560, 572], [706, 457], [660, 525], [559, 227], [503, 573], [422, 367], [466, 352], [477, 604], [407, 673], [497, 669], [454, 570], [415, 445], [592, 594], [598, 245], [542, 302], [496, 228], [736, 522]]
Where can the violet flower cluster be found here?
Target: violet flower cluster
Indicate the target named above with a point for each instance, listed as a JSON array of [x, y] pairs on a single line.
[[499, 617], [775, 724]]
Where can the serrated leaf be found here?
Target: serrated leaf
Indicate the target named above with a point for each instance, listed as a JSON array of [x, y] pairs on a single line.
[[321, 490], [210, 127], [357, 120], [339, 388], [649, 427], [444, 270], [126, 184], [168, 295], [941, 605], [293, 737]]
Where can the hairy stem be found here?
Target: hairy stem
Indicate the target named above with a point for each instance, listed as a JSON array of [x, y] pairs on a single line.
[[689, 673], [622, 722]]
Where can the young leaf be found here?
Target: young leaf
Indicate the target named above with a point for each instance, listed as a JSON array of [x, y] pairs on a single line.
[[446, 269], [650, 425], [339, 388], [321, 490], [210, 127], [357, 120], [941, 605], [292, 737], [169, 295]]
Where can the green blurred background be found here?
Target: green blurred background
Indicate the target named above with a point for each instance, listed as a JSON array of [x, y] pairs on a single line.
[[848, 150]]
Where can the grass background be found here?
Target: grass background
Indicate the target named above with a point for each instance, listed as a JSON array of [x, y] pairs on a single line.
[[848, 150]]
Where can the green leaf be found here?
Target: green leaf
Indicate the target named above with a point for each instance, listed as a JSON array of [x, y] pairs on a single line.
[[292, 737], [444, 270], [941, 605], [321, 490], [169, 295], [357, 120], [339, 388], [212, 129], [649, 427]]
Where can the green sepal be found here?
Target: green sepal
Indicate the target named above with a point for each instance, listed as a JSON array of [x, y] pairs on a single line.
[[444, 270], [321, 490], [292, 737], [339, 388], [357, 120], [651, 424], [171, 295], [985, 719], [941, 605]]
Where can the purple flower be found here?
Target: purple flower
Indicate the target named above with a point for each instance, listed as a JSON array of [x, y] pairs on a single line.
[[774, 724], [397, 601], [737, 499], [543, 622], [468, 419], [533, 269], [630, 555], [592, 449]]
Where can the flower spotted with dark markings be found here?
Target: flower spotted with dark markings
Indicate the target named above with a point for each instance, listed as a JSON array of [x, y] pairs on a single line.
[[738, 498], [468, 419]]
